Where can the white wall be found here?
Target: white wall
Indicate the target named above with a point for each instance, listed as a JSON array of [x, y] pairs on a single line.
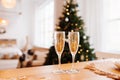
[[58, 10], [20, 26]]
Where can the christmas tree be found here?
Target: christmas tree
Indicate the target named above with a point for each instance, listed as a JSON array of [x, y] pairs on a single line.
[[70, 21]]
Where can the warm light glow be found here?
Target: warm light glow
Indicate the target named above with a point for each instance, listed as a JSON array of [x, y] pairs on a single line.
[[8, 3], [3, 22]]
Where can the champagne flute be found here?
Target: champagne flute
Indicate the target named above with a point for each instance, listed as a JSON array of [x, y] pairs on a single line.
[[73, 45], [59, 37]]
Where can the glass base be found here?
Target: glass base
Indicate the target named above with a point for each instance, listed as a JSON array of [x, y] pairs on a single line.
[[72, 71], [59, 71]]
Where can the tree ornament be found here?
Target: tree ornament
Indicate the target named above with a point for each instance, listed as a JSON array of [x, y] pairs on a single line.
[[84, 37], [66, 19]]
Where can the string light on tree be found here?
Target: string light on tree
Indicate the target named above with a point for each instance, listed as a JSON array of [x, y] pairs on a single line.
[[87, 51], [67, 6], [67, 9], [87, 58], [82, 57], [81, 50], [78, 52], [68, 13], [57, 27], [76, 24]]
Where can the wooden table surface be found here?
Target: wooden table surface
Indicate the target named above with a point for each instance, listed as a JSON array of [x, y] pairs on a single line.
[[46, 73]]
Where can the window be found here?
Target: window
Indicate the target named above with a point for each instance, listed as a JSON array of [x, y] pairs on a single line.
[[111, 28], [44, 24]]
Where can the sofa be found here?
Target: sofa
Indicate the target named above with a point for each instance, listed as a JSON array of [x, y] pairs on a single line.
[[8, 64], [33, 59], [12, 62], [10, 55]]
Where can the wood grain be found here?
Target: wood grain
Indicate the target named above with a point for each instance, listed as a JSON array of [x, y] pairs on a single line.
[[46, 73]]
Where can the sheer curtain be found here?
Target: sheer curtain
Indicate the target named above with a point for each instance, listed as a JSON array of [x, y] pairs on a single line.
[[111, 27], [44, 24], [102, 24], [92, 14]]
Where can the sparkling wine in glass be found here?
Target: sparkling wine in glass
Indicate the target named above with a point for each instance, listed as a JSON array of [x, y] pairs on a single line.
[[59, 37], [73, 45]]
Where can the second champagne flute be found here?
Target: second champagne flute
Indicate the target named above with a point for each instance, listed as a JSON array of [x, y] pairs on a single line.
[[59, 37], [73, 45]]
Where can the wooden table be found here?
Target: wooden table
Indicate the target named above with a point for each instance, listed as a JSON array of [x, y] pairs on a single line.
[[45, 73]]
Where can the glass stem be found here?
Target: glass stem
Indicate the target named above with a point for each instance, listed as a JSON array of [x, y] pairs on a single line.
[[73, 61], [59, 61]]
